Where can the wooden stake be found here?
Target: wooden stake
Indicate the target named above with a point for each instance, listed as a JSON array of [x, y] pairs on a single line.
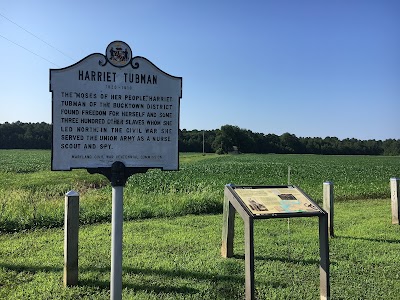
[[71, 232], [394, 189]]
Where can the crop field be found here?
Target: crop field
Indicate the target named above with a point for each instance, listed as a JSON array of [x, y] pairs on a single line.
[[172, 230], [32, 196]]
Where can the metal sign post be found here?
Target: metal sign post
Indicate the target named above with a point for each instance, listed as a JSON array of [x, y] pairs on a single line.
[[118, 174], [116, 243]]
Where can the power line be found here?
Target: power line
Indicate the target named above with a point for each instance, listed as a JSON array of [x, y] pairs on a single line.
[[37, 37], [29, 50]]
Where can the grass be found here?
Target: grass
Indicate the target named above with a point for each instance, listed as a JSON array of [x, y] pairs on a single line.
[[179, 258], [172, 230]]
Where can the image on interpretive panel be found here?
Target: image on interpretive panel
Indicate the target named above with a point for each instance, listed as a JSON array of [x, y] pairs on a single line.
[[265, 201], [287, 197]]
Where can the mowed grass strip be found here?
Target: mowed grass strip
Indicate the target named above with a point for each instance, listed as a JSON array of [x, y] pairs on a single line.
[[179, 258]]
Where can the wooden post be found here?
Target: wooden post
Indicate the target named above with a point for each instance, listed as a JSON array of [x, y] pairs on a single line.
[[228, 228], [325, 291], [394, 191], [249, 257], [71, 231], [328, 205]]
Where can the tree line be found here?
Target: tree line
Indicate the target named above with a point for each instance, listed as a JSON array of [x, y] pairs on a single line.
[[227, 139], [20, 135], [234, 139]]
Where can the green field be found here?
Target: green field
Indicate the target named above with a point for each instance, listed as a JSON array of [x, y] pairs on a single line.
[[172, 230], [31, 196]]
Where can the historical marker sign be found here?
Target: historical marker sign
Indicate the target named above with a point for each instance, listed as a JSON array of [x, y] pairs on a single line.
[[115, 107]]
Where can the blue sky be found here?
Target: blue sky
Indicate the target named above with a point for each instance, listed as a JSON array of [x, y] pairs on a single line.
[[307, 67]]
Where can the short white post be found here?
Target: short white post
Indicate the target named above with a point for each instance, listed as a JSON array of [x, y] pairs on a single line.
[[71, 232], [328, 204], [116, 242], [394, 190]]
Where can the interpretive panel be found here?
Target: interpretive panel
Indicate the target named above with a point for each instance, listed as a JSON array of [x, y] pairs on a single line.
[[276, 200], [268, 202], [115, 107]]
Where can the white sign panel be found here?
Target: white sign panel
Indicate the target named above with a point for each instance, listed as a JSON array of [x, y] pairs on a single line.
[[115, 108]]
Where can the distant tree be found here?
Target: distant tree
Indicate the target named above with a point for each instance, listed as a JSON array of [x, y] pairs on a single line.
[[226, 139], [192, 141], [374, 147], [330, 145], [391, 147], [209, 137], [246, 141], [260, 143], [291, 144], [273, 143], [311, 145]]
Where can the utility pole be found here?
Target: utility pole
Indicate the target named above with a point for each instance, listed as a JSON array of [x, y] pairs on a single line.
[[203, 143]]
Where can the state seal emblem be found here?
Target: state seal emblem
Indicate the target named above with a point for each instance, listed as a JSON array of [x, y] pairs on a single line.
[[119, 54]]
